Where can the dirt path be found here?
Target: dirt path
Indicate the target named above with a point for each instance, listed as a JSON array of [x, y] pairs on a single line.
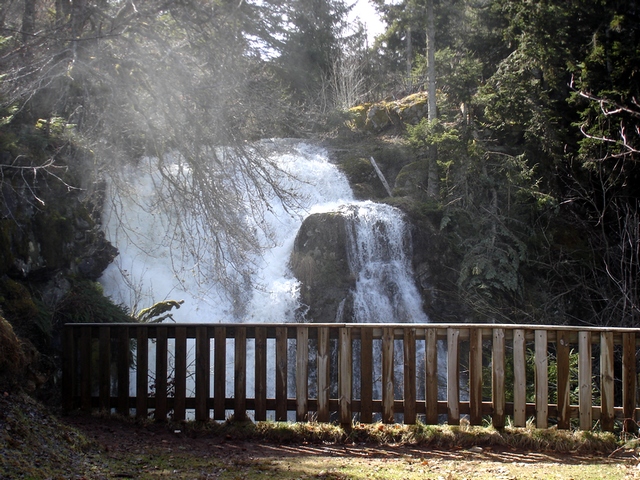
[[154, 451]]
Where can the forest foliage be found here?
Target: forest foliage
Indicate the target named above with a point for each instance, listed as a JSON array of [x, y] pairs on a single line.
[[537, 131]]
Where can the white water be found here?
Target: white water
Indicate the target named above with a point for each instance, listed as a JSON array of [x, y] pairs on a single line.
[[379, 252], [150, 268]]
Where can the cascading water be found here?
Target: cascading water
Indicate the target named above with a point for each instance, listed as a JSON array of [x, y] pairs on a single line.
[[150, 268], [379, 253]]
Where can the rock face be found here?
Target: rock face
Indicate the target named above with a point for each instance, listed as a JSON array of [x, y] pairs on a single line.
[[319, 261]]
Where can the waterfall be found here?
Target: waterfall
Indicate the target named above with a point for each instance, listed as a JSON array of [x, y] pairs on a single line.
[[150, 268], [379, 253]]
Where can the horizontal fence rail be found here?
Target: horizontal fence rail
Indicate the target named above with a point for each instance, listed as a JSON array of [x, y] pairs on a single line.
[[563, 376]]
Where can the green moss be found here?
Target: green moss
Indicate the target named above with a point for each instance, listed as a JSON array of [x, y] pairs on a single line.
[[86, 303], [29, 317]]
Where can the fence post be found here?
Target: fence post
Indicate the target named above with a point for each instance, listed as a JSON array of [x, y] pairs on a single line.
[[142, 371], [219, 372], [302, 374], [519, 379], [562, 359], [69, 369], [606, 381], [345, 375], [498, 378], [281, 374], [203, 372], [366, 374], [261, 374], [453, 377], [180, 374], [161, 373], [629, 382], [431, 352], [585, 381], [475, 376], [409, 375], [542, 379]]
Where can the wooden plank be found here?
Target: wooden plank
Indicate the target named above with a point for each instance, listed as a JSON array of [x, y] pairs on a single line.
[[585, 380], [366, 374], [240, 375], [345, 373], [302, 374], [180, 374], [261, 374], [629, 381], [324, 379], [281, 374], [203, 373], [86, 347], [410, 387], [161, 374], [104, 368], [519, 378], [69, 366], [498, 375], [387, 375], [453, 377], [607, 414], [431, 382], [219, 372], [541, 363], [563, 349], [122, 367], [475, 376], [142, 371]]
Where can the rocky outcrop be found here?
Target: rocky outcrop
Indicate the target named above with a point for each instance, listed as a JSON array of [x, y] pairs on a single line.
[[377, 117], [319, 261]]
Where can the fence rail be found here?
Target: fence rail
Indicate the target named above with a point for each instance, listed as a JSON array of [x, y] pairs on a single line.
[[564, 376]]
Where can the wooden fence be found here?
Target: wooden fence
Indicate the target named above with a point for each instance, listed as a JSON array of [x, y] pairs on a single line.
[[434, 373]]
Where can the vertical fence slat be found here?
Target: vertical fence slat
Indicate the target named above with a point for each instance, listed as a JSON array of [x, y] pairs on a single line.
[[366, 374], [431, 382], [281, 374], [142, 371], [542, 379], [323, 374], [498, 385], [629, 381], [475, 376], [69, 369], [86, 347], [345, 373], [123, 370], [585, 380], [519, 379], [302, 374], [180, 374], [240, 375], [105, 367], [219, 372], [387, 375], [203, 373], [562, 353], [453, 375], [261, 374], [161, 373], [410, 413], [606, 381]]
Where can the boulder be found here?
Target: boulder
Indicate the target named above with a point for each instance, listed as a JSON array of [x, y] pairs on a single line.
[[319, 261]]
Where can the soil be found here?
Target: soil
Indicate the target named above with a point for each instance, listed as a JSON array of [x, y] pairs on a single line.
[[122, 440], [36, 444]]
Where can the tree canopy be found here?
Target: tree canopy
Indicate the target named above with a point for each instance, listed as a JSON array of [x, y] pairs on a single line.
[[537, 134]]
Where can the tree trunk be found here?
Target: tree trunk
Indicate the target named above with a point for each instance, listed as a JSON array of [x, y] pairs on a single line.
[[409, 55], [433, 177], [28, 20]]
